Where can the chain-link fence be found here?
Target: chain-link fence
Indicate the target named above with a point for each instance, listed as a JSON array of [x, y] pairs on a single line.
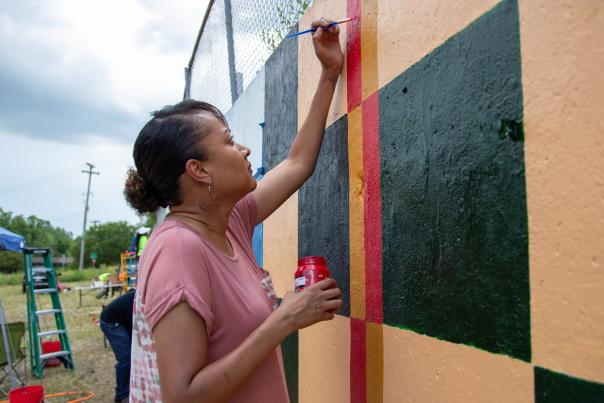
[[235, 40]]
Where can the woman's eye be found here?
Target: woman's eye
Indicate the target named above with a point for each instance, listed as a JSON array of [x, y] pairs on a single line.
[[231, 140]]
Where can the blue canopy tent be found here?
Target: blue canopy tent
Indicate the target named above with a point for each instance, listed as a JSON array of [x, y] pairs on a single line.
[[10, 241]]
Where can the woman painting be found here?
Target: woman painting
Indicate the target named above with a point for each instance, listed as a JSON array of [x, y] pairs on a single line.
[[205, 328]]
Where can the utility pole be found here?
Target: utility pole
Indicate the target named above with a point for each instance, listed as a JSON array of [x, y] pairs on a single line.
[[90, 172]]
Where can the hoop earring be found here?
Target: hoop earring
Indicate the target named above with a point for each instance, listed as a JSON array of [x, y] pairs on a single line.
[[205, 205]]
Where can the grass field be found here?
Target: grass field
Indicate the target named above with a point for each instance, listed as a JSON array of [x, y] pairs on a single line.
[[94, 364], [65, 276]]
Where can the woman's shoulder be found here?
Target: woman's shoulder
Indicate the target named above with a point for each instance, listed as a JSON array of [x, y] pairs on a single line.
[[172, 230], [173, 238], [173, 256]]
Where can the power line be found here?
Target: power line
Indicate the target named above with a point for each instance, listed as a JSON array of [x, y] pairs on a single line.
[[40, 181], [66, 217], [90, 172]]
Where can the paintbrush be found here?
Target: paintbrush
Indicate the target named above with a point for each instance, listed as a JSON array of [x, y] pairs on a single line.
[[315, 28]]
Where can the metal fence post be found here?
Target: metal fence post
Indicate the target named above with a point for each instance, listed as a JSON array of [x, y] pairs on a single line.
[[228, 19]]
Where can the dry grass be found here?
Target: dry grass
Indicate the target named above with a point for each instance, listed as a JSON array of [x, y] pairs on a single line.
[[94, 364]]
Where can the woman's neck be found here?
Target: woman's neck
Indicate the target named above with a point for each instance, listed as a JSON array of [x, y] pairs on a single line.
[[212, 224]]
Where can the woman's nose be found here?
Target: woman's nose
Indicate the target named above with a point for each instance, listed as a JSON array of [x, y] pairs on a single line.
[[244, 150]]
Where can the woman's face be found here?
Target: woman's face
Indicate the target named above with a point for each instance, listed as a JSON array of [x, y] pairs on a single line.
[[227, 162]]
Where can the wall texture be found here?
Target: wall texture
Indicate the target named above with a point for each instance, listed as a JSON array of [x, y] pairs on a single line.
[[458, 198]]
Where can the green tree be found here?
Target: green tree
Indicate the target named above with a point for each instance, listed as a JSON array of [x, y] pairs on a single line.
[[10, 262], [108, 240], [286, 18], [37, 232]]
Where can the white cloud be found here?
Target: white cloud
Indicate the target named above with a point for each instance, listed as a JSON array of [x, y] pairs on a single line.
[[116, 59], [78, 80], [44, 178]]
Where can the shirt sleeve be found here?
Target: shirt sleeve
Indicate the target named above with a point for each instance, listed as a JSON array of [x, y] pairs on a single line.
[[179, 273]]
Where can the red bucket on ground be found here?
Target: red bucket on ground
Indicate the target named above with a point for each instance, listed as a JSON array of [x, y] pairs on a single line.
[[27, 394], [51, 346]]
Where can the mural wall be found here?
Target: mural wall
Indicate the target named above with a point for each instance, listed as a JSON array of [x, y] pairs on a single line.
[[458, 199]]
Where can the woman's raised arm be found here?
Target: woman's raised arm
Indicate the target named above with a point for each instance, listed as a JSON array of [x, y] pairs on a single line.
[[287, 177]]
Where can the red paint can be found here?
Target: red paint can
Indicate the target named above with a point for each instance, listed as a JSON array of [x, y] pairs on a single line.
[[27, 394], [311, 269]]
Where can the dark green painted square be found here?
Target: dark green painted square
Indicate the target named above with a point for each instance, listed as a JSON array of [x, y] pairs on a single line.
[[280, 103], [290, 351], [323, 209], [552, 387], [454, 215]]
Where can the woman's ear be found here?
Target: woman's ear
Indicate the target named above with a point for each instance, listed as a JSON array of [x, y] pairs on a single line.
[[196, 171]]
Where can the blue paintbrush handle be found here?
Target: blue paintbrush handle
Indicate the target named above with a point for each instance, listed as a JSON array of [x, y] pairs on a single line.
[[310, 30]]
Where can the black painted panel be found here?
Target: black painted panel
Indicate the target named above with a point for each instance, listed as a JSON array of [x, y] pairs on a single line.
[[290, 352], [552, 387], [323, 209], [280, 103], [454, 218]]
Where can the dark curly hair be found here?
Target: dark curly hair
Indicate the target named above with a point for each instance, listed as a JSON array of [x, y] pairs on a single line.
[[161, 150]]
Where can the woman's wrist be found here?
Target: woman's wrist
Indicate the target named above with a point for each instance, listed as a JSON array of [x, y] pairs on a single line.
[[279, 323], [330, 76]]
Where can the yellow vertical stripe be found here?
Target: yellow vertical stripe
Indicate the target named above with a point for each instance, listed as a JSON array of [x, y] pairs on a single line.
[[369, 47], [356, 220], [375, 362]]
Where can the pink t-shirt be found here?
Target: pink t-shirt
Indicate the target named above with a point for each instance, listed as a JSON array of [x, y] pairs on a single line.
[[231, 294]]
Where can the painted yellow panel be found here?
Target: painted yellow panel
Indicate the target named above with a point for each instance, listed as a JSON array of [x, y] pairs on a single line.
[[410, 30], [419, 368], [325, 362], [280, 245], [375, 362], [562, 65], [356, 216], [309, 67], [369, 47]]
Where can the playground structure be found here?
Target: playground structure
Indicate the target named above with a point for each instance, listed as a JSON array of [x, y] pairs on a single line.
[[129, 259], [128, 270]]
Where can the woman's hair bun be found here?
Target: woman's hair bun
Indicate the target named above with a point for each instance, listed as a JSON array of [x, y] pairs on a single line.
[[140, 195]]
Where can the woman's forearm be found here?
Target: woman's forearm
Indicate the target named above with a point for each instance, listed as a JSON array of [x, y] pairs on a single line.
[[307, 144], [220, 379]]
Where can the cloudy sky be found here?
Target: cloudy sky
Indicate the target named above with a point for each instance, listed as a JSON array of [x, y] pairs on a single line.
[[78, 79]]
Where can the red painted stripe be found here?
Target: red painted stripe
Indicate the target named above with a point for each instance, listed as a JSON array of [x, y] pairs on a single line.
[[373, 210], [358, 361], [353, 55]]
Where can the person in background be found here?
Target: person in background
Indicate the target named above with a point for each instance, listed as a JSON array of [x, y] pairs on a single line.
[[116, 325], [140, 240], [105, 278]]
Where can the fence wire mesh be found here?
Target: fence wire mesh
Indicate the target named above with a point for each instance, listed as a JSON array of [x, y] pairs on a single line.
[[221, 68]]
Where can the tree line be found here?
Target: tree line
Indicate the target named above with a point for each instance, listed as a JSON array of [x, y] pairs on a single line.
[[107, 239]]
